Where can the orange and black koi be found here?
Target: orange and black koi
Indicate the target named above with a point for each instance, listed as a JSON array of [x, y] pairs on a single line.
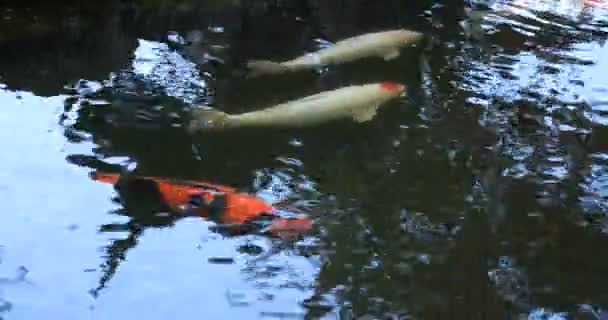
[[226, 205]]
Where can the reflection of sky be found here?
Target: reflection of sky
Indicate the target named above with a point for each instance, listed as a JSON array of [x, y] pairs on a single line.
[[281, 184], [527, 73], [542, 314], [596, 87], [565, 8], [568, 83], [560, 85], [41, 197], [168, 69], [52, 212], [572, 80]]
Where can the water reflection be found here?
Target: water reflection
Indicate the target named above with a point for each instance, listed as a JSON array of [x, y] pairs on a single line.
[[534, 99], [540, 95], [497, 153]]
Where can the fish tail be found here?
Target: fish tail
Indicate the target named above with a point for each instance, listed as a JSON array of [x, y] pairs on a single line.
[[207, 119], [262, 67]]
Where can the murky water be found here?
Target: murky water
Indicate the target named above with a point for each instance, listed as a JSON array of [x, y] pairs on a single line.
[[482, 195]]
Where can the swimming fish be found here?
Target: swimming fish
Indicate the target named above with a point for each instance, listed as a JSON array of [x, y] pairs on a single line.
[[385, 44], [358, 102], [235, 211]]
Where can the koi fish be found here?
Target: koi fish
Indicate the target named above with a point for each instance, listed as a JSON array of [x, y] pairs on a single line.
[[359, 103], [226, 204], [385, 44]]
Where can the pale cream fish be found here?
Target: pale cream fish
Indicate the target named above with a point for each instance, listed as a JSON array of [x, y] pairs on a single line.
[[385, 44], [357, 102]]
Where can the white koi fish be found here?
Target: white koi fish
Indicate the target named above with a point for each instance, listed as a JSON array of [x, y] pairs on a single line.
[[358, 102], [385, 44]]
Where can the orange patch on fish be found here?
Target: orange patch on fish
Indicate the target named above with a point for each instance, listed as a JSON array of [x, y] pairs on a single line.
[[241, 207], [286, 224], [208, 197], [391, 86]]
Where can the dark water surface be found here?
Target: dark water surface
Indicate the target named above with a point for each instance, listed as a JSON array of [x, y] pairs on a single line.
[[483, 195]]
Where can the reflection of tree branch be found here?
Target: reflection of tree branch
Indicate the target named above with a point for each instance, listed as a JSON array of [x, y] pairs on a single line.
[[142, 204], [116, 252]]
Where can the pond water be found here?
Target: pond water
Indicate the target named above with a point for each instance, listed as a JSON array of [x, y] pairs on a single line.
[[483, 194]]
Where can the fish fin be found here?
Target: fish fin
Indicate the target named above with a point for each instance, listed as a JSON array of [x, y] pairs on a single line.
[[365, 114], [111, 178], [261, 67], [391, 54], [206, 119]]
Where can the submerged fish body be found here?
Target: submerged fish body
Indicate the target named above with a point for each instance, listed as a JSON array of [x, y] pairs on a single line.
[[385, 44], [237, 207], [359, 103], [234, 211]]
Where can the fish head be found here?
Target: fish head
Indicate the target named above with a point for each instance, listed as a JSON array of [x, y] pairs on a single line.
[[406, 37], [390, 90]]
